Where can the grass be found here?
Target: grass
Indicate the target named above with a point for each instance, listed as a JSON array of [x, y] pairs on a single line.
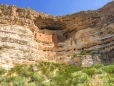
[[74, 54], [90, 71], [52, 74], [85, 53]]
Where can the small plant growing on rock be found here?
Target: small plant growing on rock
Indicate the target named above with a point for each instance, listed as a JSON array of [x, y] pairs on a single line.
[[74, 55], [85, 53]]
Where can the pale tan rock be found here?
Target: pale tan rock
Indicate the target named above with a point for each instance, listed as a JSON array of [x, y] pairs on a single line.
[[26, 35]]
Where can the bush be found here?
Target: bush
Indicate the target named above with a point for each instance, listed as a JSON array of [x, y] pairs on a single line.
[[57, 77], [17, 69], [22, 75], [19, 81], [52, 68], [86, 53], [49, 83], [74, 55], [83, 84], [2, 78], [80, 77], [37, 77], [97, 66], [90, 71], [107, 79], [99, 71], [110, 79], [3, 83], [32, 84], [2, 71], [108, 69]]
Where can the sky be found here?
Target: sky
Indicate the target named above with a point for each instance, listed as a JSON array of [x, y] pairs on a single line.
[[57, 7]]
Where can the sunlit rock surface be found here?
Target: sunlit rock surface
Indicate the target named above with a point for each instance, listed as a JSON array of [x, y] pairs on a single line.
[[27, 36]]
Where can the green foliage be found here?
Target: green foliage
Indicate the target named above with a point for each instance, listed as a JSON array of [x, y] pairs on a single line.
[[2, 71], [74, 55], [17, 69], [85, 53], [3, 83], [19, 81], [99, 71], [37, 77], [52, 83], [83, 84], [108, 79], [97, 66], [80, 77], [90, 71], [32, 84], [2, 78], [52, 74], [108, 69]]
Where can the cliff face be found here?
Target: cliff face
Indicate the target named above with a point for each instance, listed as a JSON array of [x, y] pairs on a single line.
[[28, 36]]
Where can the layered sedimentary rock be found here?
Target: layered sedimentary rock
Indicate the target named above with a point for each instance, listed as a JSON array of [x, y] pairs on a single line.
[[29, 36]]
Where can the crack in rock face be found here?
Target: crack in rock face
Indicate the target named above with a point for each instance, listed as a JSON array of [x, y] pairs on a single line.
[[27, 37]]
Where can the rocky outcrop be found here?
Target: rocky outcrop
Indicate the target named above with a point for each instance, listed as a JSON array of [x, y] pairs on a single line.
[[28, 36]]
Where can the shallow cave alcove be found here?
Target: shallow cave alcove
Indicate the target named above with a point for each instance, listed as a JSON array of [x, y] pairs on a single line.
[[49, 24]]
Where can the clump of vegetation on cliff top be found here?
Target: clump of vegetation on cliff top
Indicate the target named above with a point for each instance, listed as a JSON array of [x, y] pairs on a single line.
[[52, 74]]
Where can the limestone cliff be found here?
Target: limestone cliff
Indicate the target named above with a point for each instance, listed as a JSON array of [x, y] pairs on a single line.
[[29, 36]]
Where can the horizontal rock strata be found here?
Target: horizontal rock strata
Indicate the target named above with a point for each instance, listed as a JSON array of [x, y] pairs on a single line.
[[29, 36]]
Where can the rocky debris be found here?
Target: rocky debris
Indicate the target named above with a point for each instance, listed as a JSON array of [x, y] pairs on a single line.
[[34, 68]]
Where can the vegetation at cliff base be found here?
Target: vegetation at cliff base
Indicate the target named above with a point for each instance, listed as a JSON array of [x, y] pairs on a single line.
[[52, 74]]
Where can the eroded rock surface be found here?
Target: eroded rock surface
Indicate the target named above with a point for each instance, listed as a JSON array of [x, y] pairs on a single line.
[[28, 36]]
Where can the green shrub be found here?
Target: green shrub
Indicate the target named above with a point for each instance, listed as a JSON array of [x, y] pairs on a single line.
[[37, 77], [19, 81], [110, 79], [3, 83], [52, 68], [85, 53], [58, 79], [71, 69], [108, 69], [9, 79], [32, 84], [108, 84], [57, 65], [74, 55], [97, 66], [83, 84], [23, 75], [99, 71], [17, 69], [49, 83], [90, 71], [44, 70], [2, 71], [107, 79], [2, 78], [80, 77]]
